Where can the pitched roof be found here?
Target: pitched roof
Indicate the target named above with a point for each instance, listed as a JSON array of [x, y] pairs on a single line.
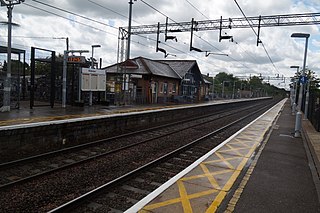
[[142, 65], [180, 66], [160, 69]]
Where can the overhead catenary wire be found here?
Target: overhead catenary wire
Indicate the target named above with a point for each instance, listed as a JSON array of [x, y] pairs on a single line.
[[69, 19], [75, 14], [92, 26], [250, 24], [35, 7], [78, 22], [152, 7], [197, 9], [57, 8], [195, 35], [209, 42]]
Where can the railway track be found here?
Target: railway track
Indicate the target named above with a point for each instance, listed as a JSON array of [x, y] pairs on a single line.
[[25, 169], [124, 154]]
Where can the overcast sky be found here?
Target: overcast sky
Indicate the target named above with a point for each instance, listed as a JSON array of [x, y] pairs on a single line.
[[41, 29]]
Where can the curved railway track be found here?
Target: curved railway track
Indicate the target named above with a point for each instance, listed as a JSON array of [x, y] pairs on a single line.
[[79, 177]]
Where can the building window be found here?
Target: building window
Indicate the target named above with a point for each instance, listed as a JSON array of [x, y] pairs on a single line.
[[174, 88], [165, 88]]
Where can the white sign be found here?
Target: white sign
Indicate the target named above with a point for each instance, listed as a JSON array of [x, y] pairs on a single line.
[[93, 79], [135, 76]]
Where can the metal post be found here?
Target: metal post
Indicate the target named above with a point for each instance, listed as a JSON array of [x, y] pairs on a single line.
[[234, 85], [32, 77], [129, 29], [92, 66], [297, 128], [295, 88], [7, 82], [90, 92], [212, 87], [301, 35], [53, 77], [64, 79], [306, 106], [298, 115], [79, 87], [222, 89], [304, 71]]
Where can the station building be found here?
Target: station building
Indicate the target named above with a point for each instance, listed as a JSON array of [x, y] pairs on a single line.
[[157, 81]]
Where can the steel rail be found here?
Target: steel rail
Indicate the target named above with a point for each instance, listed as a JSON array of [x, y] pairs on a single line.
[[94, 157], [77, 201]]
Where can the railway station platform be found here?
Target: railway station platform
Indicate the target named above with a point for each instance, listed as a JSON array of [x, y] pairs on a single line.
[[25, 115], [261, 168]]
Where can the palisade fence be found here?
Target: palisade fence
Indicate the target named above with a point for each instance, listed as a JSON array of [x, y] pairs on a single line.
[[314, 109]]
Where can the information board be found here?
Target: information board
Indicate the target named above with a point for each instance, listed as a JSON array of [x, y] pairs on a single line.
[[76, 59], [93, 79]]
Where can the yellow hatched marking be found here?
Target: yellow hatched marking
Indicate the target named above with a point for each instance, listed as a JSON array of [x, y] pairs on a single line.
[[162, 204], [211, 178], [204, 175], [224, 160], [214, 205], [233, 149], [236, 150], [178, 200], [243, 162], [218, 160], [241, 142], [249, 142], [184, 197]]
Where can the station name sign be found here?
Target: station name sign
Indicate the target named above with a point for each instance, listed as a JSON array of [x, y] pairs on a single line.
[[76, 59]]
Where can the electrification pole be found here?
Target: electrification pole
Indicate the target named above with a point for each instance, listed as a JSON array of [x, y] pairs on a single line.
[[129, 29], [7, 82]]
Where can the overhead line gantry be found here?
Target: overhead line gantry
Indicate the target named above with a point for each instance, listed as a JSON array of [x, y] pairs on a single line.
[[219, 24], [228, 23]]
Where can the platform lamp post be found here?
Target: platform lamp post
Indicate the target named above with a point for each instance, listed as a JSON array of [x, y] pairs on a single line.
[[299, 113], [7, 83], [92, 66], [295, 87]]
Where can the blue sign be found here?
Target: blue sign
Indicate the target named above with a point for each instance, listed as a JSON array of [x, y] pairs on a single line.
[[303, 79]]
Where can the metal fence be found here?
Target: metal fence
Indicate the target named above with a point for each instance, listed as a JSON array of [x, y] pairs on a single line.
[[314, 109]]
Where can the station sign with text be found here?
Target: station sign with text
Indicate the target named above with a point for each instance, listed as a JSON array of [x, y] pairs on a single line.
[[76, 59]]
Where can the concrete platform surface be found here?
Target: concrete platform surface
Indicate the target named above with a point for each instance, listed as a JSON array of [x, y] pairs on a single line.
[[284, 178]]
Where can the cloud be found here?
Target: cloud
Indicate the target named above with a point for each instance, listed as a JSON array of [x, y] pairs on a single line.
[[244, 56]]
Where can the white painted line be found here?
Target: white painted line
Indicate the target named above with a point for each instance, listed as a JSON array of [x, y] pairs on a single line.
[[138, 206]]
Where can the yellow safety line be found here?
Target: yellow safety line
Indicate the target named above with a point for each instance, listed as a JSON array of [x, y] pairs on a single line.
[[205, 175], [214, 205], [162, 204], [178, 200], [210, 177], [224, 160], [219, 160], [184, 197]]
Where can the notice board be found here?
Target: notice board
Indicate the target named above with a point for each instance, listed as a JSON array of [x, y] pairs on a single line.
[[93, 79]]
